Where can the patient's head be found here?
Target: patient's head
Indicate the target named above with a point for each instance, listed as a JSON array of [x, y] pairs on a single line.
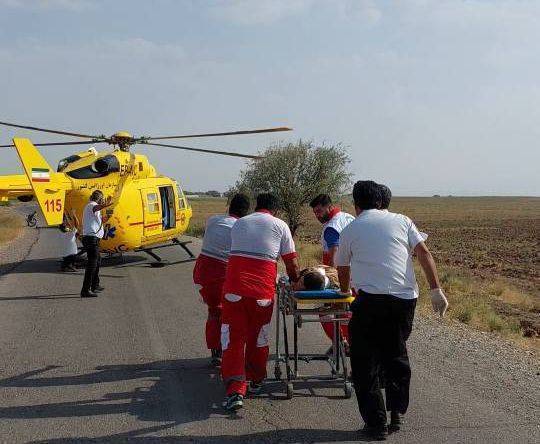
[[314, 280]]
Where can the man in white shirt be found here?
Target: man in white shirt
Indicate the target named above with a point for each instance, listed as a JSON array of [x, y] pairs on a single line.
[[375, 257], [257, 242], [92, 232], [211, 266]]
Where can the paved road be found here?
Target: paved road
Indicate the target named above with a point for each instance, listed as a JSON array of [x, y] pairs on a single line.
[[131, 365]]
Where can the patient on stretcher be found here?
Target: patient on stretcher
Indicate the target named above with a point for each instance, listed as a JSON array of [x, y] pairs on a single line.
[[317, 278]]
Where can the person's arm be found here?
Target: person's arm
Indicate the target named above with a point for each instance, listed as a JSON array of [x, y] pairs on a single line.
[[105, 203], [288, 253], [331, 237], [428, 265], [292, 267], [438, 299], [343, 262], [331, 258], [344, 276]]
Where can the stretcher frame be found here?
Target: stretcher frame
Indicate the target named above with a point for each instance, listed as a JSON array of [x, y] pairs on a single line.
[[290, 305]]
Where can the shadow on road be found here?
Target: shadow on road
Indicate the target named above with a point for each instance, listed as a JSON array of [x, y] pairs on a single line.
[[43, 297], [275, 436], [183, 391], [52, 265]]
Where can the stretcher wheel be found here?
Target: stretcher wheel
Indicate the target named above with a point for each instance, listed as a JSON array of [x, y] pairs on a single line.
[[277, 372], [347, 388], [289, 390]]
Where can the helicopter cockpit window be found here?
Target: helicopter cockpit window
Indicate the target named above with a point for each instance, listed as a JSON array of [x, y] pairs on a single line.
[[100, 168], [65, 162], [181, 198]]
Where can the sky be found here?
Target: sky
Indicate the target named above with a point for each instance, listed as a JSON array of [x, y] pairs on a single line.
[[429, 96]]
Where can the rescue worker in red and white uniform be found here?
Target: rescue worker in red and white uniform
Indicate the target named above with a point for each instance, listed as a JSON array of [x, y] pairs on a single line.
[[334, 221], [211, 265], [257, 243]]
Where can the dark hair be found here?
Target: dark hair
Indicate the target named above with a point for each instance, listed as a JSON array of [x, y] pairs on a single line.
[[386, 196], [267, 201], [96, 195], [367, 194], [321, 199], [239, 205], [314, 281]]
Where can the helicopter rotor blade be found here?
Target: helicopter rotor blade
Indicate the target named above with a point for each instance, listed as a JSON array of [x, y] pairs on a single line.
[[75, 142], [202, 150], [45, 130], [231, 133]]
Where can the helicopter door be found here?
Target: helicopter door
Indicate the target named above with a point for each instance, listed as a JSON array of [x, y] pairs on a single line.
[[168, 207]]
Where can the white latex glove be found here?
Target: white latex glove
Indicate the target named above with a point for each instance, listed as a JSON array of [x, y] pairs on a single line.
[[438, 301]]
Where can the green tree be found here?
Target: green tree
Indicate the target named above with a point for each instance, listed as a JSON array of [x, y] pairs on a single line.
[[296, 173]]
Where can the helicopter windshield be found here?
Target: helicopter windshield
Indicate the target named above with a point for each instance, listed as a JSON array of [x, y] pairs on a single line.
[[66, 161], [181, 197]]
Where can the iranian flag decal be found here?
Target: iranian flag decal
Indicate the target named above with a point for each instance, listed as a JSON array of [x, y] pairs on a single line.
[[40, 175]]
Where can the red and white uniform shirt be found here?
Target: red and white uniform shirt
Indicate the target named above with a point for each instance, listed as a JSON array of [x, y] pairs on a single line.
[[257, 243], [212, 262], [338, 221]]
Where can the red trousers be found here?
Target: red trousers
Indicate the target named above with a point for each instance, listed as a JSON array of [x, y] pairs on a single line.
[[211, 296], [209, 276], [245, 333], [328, 327]]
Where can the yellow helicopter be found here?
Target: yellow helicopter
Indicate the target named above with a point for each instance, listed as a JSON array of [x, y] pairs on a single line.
[[148, 210]]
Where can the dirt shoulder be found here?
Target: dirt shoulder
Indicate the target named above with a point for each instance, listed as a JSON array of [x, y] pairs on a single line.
[[15, 250], [490, 366]]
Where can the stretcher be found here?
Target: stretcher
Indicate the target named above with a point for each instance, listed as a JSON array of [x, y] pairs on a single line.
[[303, 307]]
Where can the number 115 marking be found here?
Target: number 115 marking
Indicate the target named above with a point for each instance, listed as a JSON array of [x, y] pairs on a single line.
[[53, 205]]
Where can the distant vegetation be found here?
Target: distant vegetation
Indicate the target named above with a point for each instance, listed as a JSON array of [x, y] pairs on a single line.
[[211, 193], [296, 173]]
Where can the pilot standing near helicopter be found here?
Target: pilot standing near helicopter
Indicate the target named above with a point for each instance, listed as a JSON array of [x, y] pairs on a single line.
[[211, 266], [92, 233]]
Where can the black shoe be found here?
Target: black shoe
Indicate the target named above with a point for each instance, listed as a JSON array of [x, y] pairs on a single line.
[[98, 289], [88, 294], [234, 402], [396, 420], [379, 433]]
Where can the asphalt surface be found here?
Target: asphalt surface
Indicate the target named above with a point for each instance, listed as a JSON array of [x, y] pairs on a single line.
[[131, 365]]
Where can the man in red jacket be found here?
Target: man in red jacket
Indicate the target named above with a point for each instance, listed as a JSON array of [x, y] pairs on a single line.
[[257, 243], [211, 265]]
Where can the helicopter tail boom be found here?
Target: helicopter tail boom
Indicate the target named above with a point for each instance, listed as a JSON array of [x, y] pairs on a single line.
[[48, 186]]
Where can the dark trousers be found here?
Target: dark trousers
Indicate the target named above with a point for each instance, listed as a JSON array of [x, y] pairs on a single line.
[[91, 274], [69, 260], [378, 331]]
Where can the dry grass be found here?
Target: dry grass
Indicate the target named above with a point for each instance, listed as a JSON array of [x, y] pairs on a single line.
[[10, 225]]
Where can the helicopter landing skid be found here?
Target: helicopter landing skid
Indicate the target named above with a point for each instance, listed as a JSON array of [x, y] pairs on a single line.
[[159, 261]]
